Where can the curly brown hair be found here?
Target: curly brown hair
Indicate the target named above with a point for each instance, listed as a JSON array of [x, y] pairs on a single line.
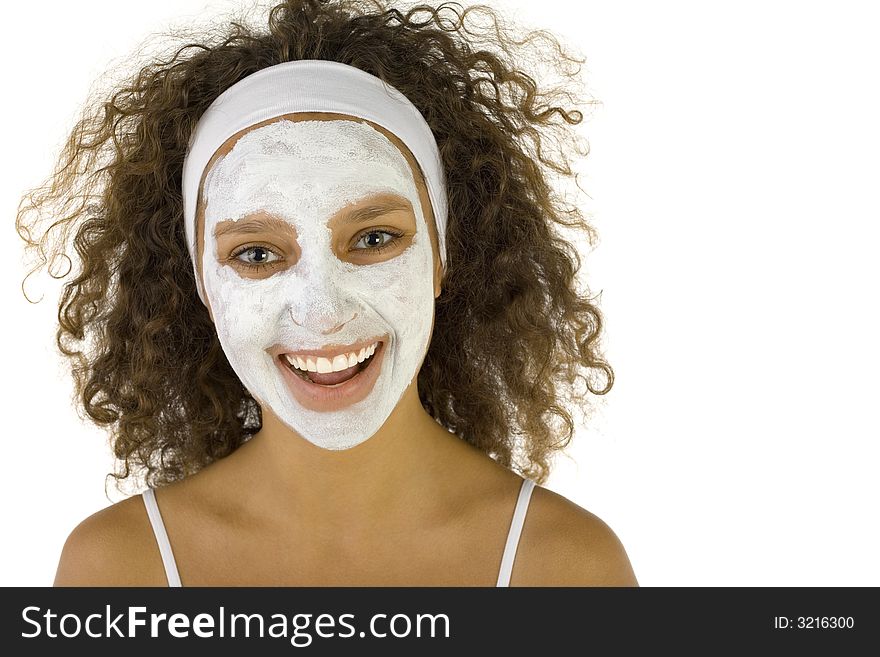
[[513, 334]]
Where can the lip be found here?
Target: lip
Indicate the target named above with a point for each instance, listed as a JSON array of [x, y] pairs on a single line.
[[321, 398], [328, 352]]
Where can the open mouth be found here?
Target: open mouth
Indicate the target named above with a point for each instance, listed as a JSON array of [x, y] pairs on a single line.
[[332, 379], [325, 392]]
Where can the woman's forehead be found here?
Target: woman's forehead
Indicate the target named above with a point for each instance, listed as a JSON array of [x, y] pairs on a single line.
[[306, 168], [307, 154], [297, 117], [369, 144]]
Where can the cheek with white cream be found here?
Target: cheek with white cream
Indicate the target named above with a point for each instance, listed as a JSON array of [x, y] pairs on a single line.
[[304, 172]]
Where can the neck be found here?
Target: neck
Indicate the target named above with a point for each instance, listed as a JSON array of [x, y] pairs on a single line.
[[394, 474]]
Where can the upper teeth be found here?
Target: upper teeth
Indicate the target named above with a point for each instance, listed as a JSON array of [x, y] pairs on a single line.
[[324, 365]]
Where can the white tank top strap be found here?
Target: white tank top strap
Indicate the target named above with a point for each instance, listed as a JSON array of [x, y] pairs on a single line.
[[171, 573], [516, 525]]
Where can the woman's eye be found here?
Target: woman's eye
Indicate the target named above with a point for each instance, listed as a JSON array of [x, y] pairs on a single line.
[[375, 243], [260, 256]]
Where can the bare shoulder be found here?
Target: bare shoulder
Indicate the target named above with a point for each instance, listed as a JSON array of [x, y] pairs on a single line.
[[113, 547], [563, 544]]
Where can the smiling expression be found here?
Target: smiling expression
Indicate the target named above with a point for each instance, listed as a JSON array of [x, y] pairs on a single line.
[[317, 247]]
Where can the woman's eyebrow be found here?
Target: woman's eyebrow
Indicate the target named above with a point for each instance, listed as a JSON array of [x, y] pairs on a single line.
[[253, 225], [364, 214], [261, 224]]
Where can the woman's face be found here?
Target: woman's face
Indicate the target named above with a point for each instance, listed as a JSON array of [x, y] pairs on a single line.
[[320, 272]]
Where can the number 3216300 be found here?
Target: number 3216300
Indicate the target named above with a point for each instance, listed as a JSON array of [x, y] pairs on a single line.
[[825, 622]]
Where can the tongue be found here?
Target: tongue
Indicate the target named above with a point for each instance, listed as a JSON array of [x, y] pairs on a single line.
[[330, 378]]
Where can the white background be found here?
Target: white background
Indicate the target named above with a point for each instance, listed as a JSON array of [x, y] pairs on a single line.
[[733, 180]]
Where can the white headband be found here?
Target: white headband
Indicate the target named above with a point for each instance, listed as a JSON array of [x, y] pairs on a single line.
[[310, 85]]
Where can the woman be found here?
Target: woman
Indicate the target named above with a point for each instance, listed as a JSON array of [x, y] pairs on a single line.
[[330, 318]]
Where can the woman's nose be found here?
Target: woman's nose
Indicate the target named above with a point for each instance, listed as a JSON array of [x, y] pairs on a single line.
[[323, 312], [328, 331]]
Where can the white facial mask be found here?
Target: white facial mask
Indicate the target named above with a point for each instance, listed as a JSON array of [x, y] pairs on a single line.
[[303, 172]]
